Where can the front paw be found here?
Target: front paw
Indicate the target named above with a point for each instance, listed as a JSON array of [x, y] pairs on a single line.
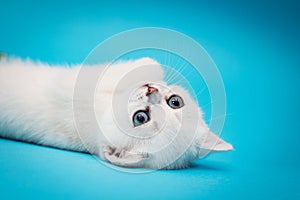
[[123, 157], [109, 150]]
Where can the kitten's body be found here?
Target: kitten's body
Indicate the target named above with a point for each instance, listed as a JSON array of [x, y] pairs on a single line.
[[36, 105]]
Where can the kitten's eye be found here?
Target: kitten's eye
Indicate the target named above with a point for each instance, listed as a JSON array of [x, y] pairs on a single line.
[[175, 102], [140, 117]]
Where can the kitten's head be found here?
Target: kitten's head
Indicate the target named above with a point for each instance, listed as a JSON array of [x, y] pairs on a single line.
[[157, 126]]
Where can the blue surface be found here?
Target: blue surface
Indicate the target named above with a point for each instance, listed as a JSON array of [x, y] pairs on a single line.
[[256, 47]]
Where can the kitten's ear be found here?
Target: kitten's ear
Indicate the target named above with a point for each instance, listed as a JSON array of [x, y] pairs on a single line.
[[213, 143], [124, 158]]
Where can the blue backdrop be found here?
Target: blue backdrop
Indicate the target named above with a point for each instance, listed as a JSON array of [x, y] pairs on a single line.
[[255, 45]]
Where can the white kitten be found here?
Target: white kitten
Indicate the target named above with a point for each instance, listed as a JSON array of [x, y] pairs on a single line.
[[133, 120]]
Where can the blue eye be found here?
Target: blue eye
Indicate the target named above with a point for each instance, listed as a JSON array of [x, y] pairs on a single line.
[[175, 102], [140, 117]]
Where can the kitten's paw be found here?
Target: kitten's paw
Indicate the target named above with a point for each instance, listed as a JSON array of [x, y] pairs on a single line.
[[123, 157], [109, 150]]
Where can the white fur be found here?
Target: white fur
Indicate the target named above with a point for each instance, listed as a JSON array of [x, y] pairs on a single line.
[[36, 105]]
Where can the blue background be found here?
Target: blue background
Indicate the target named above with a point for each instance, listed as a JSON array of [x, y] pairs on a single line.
[[255, 45]]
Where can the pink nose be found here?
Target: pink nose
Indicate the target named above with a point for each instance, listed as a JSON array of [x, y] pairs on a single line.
[[150, 90]]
